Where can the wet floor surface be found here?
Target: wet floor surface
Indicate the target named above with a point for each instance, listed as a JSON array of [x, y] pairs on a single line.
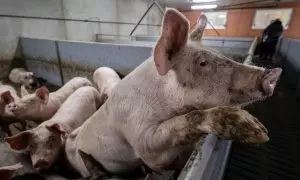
[[279, 159]]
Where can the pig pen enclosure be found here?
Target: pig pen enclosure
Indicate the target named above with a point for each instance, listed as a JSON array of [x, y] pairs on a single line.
[[59, 61]]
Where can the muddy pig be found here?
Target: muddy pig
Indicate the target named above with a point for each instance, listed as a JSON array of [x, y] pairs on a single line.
[[171, 100], [41, 105], [45, 141], [105, 79]]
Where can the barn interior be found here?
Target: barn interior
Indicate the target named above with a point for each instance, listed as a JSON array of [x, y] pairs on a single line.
[[58, 40]]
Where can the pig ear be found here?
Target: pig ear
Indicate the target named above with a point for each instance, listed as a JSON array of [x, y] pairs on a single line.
[[7, 172], [197, 33], [7, 97], [43, 94], [58, 128], [19, 141], [173, 37]]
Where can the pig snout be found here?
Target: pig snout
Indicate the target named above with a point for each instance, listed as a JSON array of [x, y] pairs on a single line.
[[11, 107], [269, 80], [41, 164]]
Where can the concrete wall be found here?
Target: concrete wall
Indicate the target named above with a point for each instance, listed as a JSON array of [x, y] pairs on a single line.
[[82, 58], [103, 10]]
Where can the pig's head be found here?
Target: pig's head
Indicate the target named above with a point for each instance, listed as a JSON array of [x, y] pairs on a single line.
[[29, 104], [201, 78], [6, 98], [43, 142]]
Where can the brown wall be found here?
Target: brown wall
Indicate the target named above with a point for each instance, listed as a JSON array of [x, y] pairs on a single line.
[[239, 22]]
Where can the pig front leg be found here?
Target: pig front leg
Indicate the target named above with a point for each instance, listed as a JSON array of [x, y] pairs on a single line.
[[162, 144]]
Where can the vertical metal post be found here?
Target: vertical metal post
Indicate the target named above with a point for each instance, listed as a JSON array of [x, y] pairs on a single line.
[[59, 63], [139, 22]]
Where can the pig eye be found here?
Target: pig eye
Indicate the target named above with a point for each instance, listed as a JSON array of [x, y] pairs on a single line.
[[26, 77], [203, 63]]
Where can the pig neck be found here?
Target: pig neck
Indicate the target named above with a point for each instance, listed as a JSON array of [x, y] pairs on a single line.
[[161, 93]]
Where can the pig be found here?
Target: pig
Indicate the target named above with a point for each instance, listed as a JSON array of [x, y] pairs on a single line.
[[21, 76], [105, 79], [19, 161], [41, 105], [25, 91], [46, 141], [8, 94], [182, 92]]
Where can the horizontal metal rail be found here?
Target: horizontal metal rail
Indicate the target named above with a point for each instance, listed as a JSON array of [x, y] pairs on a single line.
[[89, 20]]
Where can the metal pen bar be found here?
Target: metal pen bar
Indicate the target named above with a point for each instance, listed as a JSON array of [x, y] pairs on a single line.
[[159, 7], [214, 28], [59, 63], [75, 20], [138, 23]]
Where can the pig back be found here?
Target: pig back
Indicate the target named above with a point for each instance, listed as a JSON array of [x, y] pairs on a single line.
[[105, 79], [71, 86], [78, 107]]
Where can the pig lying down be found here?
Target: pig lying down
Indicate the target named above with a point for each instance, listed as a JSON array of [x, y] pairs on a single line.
[[41, 105], [105, 79], [46, 141], [168, 102]]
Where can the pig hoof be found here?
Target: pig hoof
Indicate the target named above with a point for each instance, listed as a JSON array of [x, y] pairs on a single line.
[[236, 124]]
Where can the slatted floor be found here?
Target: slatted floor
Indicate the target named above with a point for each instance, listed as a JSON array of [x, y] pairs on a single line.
[[279, 159]]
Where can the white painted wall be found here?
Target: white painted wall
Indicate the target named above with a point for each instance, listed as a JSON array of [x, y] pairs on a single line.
[[104, 10]]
